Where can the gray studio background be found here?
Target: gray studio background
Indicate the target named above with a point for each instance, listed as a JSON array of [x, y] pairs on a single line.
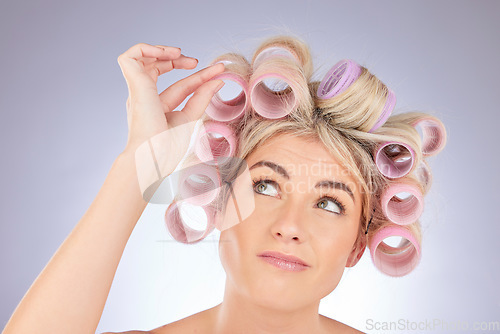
[[63, 122]]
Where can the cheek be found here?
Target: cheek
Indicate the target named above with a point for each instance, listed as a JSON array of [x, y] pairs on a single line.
[[334, 248], [233, 247]]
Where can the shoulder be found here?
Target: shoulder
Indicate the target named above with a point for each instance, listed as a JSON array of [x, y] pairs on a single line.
[[127, 332], [197, 323], [335, 326]]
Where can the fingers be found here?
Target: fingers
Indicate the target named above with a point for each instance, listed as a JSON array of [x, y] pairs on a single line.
[[135, 58], [143, 63], [144, 50], [183, 62], [196, 105], [179, 91]]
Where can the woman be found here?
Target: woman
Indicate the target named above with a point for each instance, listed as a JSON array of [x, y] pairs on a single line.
[[317, 198]]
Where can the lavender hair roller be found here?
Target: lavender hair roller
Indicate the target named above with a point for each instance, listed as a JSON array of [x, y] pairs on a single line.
[[389, 105], [434, 135], [338, 79], [402, 211], [394, 159], [228, 110], [395, 261], [180, 231], [210, 148], [199, 184]]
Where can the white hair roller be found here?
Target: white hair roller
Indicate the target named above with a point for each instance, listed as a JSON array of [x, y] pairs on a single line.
[[274, 51], [395, 261], [181, 231], [402, 211]]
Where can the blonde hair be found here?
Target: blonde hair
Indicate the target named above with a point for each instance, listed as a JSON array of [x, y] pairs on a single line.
[[341, 123]]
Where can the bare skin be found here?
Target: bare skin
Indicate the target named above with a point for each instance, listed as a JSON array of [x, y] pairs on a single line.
[[69, 297], [70, 293], [290, 216]]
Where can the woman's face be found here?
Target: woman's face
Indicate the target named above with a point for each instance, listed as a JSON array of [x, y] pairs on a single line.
[[294, 217]]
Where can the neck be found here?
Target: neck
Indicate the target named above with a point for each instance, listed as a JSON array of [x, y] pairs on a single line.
[[239, 314]]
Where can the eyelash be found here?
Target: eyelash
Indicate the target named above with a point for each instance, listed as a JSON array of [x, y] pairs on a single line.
[[331, 198]]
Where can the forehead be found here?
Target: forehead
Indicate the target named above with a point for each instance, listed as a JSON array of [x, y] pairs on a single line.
[[300, 157]]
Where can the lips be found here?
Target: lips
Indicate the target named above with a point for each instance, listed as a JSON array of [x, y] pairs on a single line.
[[285, 257]]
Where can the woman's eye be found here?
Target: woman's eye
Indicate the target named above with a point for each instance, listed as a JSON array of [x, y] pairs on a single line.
[[334, 207], [262, 186]]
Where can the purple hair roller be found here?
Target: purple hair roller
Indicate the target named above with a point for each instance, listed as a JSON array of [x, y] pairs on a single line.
[[180, 231], [402, 211], [338, 79], [390, 103], [199, 184], [394, 159], [228, 110], [395, 261], [434, 135], [210, 148]]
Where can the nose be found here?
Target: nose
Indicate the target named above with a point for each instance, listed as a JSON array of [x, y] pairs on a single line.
[[289, 219]]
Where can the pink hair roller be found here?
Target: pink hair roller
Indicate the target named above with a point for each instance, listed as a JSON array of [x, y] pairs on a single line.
[[225, 111], [182, 232], [209, 148], [271, 104], [338, 79], [394, 159], [395, 261], [434, 135], [402, 211], [199, 184], [424, 176]]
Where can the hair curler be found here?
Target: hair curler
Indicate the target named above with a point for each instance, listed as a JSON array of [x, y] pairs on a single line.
[[271, 104], [402, 211], [199, 184], [394, 159], [395, 261], [341, 76], [180, 231], [424, 175], [434, 135], [390, 103], [229, 110], [338, 79], [274, 51], [209, 148]]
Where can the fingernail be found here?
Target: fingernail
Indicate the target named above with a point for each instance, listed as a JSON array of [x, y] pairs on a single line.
[[217, 63], [219, 86]]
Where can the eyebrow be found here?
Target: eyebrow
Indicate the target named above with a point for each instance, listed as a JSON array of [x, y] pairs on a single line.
[[321, 184]]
